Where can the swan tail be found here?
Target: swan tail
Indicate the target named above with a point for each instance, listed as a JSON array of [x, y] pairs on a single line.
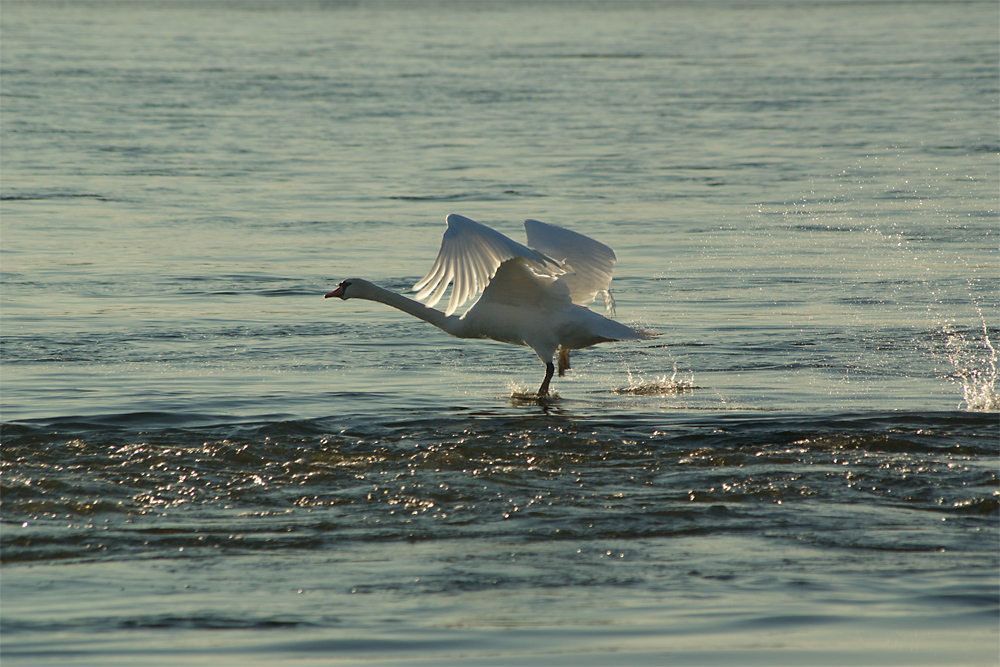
[[611, 330]]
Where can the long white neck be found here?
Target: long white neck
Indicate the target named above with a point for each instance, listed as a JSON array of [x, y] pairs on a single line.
[[447, 323]]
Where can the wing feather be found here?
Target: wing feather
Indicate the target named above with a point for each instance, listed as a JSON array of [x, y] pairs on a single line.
[[430, 281], [458, 287], [470, 255], [591, 264]]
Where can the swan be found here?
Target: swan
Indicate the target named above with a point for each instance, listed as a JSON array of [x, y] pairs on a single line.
[[535, 295]]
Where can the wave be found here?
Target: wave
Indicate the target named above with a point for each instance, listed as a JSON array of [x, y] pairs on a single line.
[[150, 482]]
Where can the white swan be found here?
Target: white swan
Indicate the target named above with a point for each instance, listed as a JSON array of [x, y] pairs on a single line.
[[534, 296]]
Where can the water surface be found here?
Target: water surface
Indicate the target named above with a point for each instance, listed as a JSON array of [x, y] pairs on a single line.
[[205, 462]]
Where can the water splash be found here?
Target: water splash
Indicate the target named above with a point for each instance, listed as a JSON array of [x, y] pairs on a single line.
[[915, 210], [520, 397], [975, 364], [638, 386]]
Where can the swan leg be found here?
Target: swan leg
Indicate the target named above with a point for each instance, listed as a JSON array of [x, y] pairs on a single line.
[[563, 361], [544, 389]]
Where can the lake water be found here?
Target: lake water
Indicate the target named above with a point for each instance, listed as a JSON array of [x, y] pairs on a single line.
[[205, 462]]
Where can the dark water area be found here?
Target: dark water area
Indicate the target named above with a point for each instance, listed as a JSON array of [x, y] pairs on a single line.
[[309, 485], [205, 462], [490, 537]]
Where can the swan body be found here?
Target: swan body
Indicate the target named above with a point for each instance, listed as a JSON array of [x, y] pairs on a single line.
[[534, 296]]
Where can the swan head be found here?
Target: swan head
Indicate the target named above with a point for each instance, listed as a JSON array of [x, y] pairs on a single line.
[[351, 288]]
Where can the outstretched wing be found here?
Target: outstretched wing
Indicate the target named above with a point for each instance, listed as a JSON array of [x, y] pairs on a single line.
[[590, 263], [470, 255]]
